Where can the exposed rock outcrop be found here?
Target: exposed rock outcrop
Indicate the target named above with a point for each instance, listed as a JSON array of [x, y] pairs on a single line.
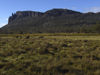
[[22, 14], [53, 12]]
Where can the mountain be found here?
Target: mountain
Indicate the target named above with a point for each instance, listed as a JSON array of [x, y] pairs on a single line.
[[51, 21]]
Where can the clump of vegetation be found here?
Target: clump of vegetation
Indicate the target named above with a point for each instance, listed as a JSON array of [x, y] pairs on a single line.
[[27, 37]]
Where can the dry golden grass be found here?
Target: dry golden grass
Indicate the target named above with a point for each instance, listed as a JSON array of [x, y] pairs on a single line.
[[50, 54]]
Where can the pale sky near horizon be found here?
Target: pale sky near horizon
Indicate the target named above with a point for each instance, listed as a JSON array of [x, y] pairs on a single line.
[[11, 6]]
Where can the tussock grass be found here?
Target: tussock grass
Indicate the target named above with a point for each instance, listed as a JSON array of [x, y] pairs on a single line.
[[46, 54]]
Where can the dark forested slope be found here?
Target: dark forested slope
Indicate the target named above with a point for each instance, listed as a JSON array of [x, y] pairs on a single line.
[[51, 21]]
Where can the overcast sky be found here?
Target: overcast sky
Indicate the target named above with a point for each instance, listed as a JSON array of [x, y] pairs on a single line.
[[11, 6]]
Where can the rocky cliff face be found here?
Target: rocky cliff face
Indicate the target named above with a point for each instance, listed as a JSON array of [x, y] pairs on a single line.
[[23, 14], [53, 12]]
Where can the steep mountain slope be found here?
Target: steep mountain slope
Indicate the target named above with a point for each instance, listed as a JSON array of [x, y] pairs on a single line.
[[55, 20]]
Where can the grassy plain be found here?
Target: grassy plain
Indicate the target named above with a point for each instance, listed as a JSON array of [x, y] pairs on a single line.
[[50, 54]]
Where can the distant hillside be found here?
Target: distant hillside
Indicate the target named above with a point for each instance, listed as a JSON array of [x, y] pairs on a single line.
[[51, 21]]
